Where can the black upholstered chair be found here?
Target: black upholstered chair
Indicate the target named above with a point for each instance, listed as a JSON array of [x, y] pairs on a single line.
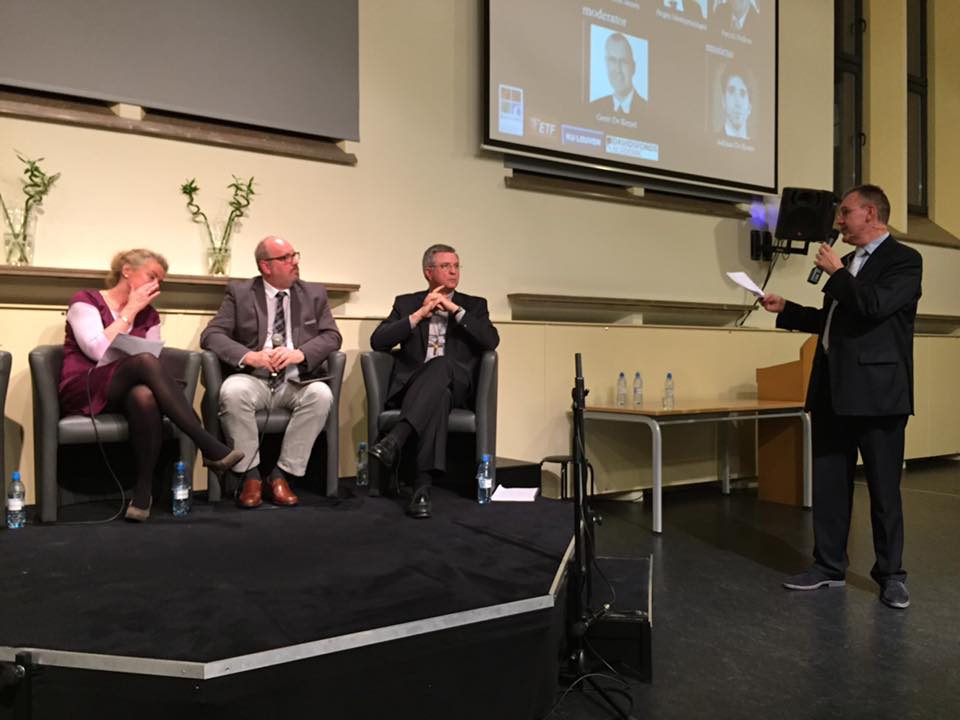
[[482, 421], [5, 362], [212, 378], [50, 431]]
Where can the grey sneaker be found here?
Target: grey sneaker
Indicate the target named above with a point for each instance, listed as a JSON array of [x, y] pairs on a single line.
[[811, 580], [895, 595]]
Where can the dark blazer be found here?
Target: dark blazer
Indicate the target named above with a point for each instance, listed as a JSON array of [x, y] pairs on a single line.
[[240, 325], [870, 368], [466, 340]]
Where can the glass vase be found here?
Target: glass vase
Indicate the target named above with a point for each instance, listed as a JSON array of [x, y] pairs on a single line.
[[18, 238], [218, 251], [218, 260]]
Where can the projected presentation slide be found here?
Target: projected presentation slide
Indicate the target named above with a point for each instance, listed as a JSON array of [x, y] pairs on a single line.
[[682, 88]]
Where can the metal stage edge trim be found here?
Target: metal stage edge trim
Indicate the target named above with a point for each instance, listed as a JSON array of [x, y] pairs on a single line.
[[255, 661]]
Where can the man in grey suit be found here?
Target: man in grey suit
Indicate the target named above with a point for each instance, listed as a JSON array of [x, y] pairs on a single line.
[[272, 335]]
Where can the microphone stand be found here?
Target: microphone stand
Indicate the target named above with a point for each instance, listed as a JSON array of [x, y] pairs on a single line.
[[580, 617]]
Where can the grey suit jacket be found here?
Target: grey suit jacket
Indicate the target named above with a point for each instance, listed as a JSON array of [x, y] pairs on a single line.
[[241, 325]]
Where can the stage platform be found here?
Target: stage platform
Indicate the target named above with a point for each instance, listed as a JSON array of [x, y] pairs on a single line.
[[341, 607]]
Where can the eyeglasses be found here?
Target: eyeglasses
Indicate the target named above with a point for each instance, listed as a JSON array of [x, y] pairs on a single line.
[[288, 258], [447, 267]]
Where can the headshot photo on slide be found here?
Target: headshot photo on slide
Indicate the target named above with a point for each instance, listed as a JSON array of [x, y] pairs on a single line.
[[733, 98], [618, 72]]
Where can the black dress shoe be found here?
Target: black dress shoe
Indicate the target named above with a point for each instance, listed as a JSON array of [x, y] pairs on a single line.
[[419, 506], [386, 451]]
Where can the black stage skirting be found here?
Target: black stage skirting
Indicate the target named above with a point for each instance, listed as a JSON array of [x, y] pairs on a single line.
[[343, 606]]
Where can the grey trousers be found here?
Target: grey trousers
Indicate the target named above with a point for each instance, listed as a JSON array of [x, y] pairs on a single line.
[[240, 398]]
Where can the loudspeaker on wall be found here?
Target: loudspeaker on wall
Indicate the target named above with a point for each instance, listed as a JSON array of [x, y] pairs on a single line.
[[805, 214]]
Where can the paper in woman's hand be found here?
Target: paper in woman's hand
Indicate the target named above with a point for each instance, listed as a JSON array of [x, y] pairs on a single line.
[[124, 345]]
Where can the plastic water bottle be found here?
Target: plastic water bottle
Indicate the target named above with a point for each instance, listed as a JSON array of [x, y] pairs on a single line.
[[181, 491], [484, 481], [621, 390], [363, 474], [668, 399], [16, 515], [637, 390]]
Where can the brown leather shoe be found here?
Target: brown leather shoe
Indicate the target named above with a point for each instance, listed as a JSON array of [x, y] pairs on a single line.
[[250, 494], [280, 493]]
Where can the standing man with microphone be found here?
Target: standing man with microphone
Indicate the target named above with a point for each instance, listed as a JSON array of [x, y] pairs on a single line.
[[272, 333], [861, 389]]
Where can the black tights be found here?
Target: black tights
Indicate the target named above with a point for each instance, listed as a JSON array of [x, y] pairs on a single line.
[[144, 392]]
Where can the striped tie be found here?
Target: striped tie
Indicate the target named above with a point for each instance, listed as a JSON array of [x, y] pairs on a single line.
[[280, 323]]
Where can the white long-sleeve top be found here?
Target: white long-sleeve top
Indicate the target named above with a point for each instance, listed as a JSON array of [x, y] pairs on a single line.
[[88, 328]]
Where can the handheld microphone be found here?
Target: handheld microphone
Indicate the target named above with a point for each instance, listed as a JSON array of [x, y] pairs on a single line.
[[277, 340], [814, 277]]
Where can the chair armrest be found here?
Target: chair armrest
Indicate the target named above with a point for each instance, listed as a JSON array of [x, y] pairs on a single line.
[[486, 406], [376, 367], [45, 364], [211, 377], [336, 364], [6, 360], [184, 367]]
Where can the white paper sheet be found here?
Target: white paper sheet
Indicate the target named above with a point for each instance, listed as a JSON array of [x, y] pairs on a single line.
[[124, 345], [520, 494], [744, 281]]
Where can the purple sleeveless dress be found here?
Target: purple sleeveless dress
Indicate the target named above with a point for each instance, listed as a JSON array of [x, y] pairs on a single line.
[[77, 366]]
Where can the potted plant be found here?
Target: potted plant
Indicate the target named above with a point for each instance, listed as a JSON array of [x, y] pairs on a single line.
[[218, 240], [18, 235]]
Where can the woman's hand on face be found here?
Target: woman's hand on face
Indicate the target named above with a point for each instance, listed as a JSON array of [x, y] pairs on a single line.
[[140, 297]]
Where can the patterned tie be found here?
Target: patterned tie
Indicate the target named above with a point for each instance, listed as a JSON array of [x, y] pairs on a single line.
[[280, 323]]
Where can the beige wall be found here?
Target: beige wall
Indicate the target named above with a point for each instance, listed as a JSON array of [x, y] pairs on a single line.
[[421, 178]]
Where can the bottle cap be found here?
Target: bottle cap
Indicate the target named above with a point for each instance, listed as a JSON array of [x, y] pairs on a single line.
[[670, 375], [621, 374], [180, 466], [363, 445], [486, 458], [16, 476]]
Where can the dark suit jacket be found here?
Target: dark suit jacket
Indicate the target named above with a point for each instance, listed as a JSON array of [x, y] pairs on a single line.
[[241, 325], [870, 368], [466, 340], [638, 106]]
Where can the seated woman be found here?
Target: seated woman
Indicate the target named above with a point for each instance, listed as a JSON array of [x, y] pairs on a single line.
[[135, 385]]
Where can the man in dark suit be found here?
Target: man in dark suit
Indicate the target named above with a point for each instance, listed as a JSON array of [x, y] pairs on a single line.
[[272, 335], [441, 334], [621, 67], [861, 389]]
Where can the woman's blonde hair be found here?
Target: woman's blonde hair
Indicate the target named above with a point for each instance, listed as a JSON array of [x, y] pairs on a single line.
[[134, 258]]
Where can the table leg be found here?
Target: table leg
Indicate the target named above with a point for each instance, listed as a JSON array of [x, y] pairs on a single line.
[[656, 452], [723, 456]]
